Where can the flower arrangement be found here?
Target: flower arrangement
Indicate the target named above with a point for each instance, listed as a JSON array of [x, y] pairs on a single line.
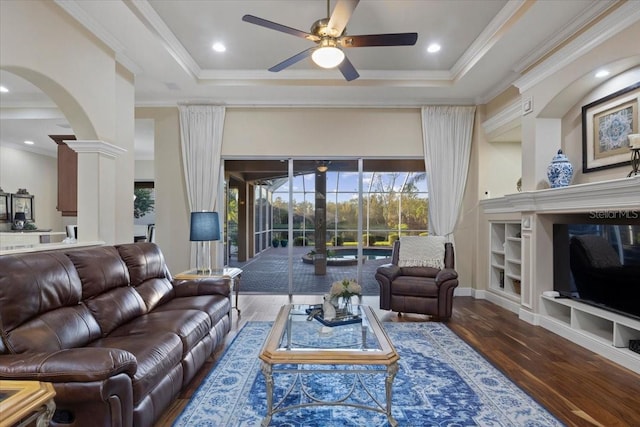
[[345, 289]]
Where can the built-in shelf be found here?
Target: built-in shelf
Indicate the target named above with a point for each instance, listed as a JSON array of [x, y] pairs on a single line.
[[599, 330], [530, 259], [506, 259]]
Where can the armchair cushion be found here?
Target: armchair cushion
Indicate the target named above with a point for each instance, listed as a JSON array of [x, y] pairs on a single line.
[[421, 251]]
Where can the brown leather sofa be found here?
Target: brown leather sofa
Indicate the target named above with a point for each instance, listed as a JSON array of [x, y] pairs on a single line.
[[108, 326], [422, 290]]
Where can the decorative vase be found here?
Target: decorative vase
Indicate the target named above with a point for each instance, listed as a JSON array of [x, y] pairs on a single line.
[[342, 306], [560, 171]]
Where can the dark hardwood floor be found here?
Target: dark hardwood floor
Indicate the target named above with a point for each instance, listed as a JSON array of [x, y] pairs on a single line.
[[576, 385]]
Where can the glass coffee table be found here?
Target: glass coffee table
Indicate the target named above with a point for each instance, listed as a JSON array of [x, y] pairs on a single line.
[[300, 344]]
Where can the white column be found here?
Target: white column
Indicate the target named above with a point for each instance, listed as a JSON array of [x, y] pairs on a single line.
[[96, 189], [542, 138]]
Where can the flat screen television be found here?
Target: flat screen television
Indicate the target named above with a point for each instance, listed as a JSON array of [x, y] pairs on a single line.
[[599, 264]]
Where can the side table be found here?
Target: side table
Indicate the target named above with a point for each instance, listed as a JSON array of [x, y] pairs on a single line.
[[23, 402], [235, 274]]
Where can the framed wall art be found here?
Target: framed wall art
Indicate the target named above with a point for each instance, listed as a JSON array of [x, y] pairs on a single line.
[[5, 213], [606, 123], [22, 203]]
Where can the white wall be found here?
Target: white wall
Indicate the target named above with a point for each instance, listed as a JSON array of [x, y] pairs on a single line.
[[350, 132], [42, 43], [502, 170], [171, 206], [41, 181]]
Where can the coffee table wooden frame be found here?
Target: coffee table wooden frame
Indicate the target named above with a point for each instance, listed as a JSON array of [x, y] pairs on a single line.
[[272, 355], [27, 401]]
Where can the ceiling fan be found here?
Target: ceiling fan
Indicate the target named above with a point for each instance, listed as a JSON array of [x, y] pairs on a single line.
[[330, 37]]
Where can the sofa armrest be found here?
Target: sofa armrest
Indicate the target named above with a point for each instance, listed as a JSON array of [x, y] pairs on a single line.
[[385, 274], [389, 271], [71, 365], [203, 286], [445, 275]]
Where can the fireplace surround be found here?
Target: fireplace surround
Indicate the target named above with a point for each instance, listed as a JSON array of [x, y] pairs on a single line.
[[605, 332]]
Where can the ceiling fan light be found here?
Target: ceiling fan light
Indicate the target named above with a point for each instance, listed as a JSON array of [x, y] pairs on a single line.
[[327, 56]]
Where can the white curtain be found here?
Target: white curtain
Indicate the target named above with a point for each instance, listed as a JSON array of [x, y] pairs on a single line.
[[201, 129], [446, 135]]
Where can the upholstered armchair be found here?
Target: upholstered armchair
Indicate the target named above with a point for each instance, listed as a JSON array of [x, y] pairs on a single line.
[[412, 285]]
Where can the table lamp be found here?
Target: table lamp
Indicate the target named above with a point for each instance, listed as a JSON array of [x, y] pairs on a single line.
[[634, 145], [205, 227], [19, 220]]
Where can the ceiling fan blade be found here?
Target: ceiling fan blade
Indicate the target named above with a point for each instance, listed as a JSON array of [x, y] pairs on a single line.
[[279, 27], [400, 39], [290, 61], [340, 16], [348, 70]]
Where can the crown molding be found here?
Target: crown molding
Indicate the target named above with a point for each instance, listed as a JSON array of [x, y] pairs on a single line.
[[293, 103], [591, 13], [95, 146], [73, 8], [495, 91], [322, 78], [502, 118], [488, 37], [609, 26], [150, 18]]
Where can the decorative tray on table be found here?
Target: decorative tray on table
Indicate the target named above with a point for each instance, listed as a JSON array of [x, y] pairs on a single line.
[[342, 317]]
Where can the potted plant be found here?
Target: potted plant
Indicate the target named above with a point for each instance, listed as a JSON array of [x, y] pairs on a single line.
[[283, 242], [275, 242]]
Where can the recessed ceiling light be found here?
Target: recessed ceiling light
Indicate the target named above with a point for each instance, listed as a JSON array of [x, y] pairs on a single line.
[[219, 47], [602, 73], [433, 48], [3, 89], [29, 142]]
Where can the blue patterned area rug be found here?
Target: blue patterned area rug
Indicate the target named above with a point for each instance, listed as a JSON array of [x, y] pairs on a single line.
[[441, 382]]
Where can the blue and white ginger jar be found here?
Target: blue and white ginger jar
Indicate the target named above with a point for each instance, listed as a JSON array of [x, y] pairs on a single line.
[[560, 171]]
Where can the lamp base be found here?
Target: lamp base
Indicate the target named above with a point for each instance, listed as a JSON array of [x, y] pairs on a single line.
[[203, 257], [635, 162]]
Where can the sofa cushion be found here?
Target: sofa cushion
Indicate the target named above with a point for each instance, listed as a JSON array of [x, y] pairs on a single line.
[[100, 269], [190, 325], [105, 287], [39, 304], [48, 279], [415, 286], [156, 354], [148, 272], [63, 328], [216, 306]]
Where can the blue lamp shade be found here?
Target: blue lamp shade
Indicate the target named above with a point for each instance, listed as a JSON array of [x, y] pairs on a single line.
[[205, 226]]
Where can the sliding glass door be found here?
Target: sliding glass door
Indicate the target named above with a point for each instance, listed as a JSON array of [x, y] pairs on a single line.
[[313, 222]]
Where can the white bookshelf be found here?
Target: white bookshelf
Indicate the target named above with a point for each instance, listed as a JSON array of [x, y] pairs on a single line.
[[505, 259]]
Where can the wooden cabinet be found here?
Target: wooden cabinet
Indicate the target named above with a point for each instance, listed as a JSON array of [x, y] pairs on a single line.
[[506, 259], [67, 176]]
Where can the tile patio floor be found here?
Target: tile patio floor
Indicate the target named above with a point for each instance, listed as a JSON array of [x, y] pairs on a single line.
[[267, 272]]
